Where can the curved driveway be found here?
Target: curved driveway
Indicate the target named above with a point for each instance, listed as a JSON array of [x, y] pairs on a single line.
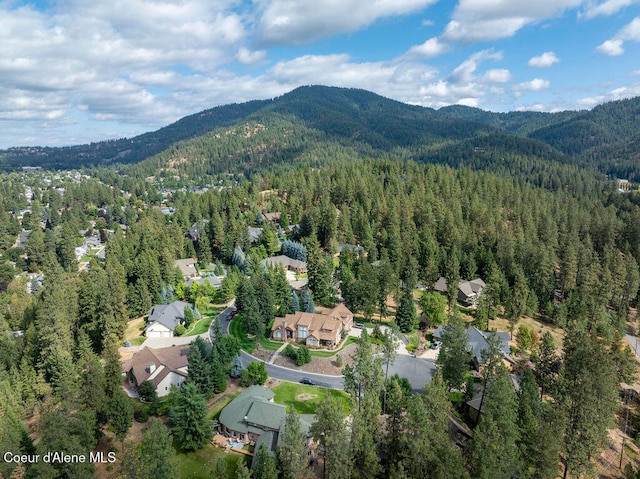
[[417, 370]]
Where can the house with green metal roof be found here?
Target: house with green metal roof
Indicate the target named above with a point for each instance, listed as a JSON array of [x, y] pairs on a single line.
[[251, 414], [253, 418]]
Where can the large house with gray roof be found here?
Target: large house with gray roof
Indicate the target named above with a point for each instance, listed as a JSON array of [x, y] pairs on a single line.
[[468, 291], [477, 343], [163, 319], [253, 418]]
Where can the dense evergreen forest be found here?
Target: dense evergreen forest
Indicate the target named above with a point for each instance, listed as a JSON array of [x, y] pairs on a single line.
[[456, 193]]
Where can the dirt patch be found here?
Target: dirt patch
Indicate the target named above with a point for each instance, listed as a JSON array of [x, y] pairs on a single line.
[[320, 365], [306, 397], [263, 354]]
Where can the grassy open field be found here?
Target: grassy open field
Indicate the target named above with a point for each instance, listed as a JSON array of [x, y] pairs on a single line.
[[200, 464], [304, 399]]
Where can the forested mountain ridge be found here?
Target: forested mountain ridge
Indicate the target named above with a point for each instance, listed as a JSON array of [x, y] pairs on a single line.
[[343, 114], [600, 139], [604, 137]]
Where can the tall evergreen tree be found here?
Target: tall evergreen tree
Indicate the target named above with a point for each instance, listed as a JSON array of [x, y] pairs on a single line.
[[453, 357], [330, 431], [494, 451], [291, 451], [265, 466], [589, 387], [193, 430]]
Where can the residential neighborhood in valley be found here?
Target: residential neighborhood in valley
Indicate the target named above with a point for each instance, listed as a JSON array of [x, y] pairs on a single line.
[[326, 284]]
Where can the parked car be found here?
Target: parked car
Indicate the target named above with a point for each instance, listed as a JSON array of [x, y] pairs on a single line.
[[309, 381], [358, 325], [436, 345]]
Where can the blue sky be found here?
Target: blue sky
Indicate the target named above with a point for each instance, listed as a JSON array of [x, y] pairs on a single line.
[[75, 71]]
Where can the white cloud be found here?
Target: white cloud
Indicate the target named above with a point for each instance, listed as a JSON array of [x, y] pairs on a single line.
[[616, 94], [431, 48], [497, 76], [483, 20], [464, 72], [613, 46], [248, 57], [300, 21], [536, 84], [606, 8], [543, 61]]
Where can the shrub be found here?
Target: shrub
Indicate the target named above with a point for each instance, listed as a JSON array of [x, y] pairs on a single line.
[[303, 356], [180, 330], [338, 360], [291, 352]]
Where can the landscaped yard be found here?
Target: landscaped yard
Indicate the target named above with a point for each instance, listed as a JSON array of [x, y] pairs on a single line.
[[305, 399], [200, 327], [248, 344], [328, 354], [200, 464]]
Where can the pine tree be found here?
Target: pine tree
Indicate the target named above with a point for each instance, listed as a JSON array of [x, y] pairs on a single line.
[[295, 302], [406, 317], [494, 451], [291, 452], [120, 413], [242, 472], [236, 367], [307, 302], [539, 438], [453, 357], [199, 372], [193, 430], [265, 466], [589, 387], [156, 452], [330, 431]]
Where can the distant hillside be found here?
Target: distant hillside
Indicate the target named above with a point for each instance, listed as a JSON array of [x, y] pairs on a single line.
[[605, 137], [316, 123], [128, 150]]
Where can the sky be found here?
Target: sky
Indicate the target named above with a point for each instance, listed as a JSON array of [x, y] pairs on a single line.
[[77, 71]]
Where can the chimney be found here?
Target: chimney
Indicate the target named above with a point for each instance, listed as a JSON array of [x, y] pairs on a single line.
[[152, 367]]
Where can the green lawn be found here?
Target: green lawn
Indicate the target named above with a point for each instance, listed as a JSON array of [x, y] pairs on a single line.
[[270, 345], [248, 344], [287, 394], [200, 327], [328, 354], [200, 464], [137, 341], [236, 329]]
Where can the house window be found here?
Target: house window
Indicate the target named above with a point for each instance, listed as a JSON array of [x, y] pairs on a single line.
[[312, 341], [302, 332], [278, 334]]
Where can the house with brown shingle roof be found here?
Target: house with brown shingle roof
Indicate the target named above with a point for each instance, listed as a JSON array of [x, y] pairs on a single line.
[[162, 367], [314, 330]]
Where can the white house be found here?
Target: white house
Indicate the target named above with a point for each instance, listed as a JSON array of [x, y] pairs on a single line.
[[163, 319], [162, 367]]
